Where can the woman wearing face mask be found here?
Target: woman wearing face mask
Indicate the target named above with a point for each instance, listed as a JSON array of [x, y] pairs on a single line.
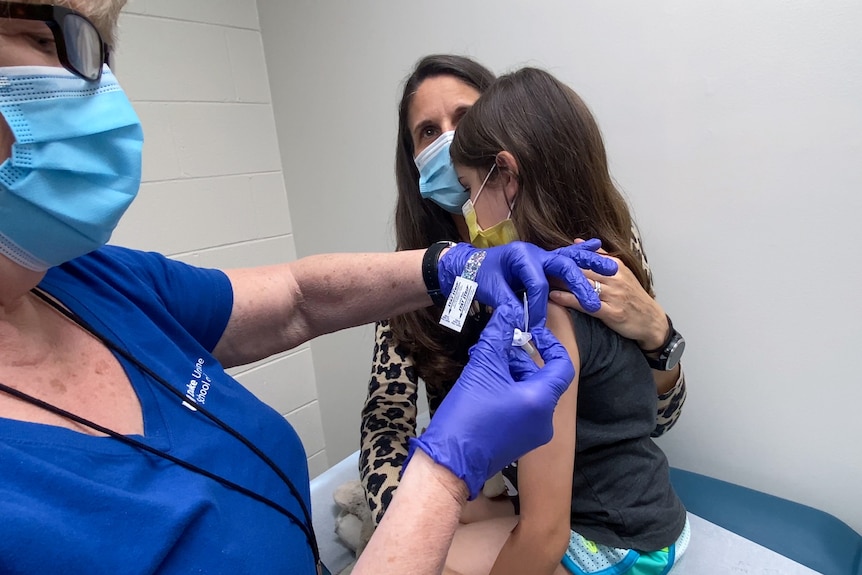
[[125, 447], [598, 496], [437, 94]]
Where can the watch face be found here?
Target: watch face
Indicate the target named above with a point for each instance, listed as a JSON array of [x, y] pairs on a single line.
[[674, 354]]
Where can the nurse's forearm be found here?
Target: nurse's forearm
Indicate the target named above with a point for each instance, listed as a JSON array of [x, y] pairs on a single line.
[[279, 307], [417, 530], [342, 290]]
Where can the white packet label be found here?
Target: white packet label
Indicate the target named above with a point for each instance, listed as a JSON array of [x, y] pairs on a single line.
[[458, 304]]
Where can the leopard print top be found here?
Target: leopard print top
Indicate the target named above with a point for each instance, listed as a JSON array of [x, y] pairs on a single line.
[[389, 413]]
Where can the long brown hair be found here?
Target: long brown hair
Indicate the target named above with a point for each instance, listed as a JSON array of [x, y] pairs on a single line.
[[566, 191], [440, 354]]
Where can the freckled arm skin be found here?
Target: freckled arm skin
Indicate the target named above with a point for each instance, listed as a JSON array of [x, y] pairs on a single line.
[[416, 532], [279, 307]]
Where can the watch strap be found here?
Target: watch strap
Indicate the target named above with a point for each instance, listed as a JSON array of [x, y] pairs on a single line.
[[429, 271], [659, 363], [670, 356]]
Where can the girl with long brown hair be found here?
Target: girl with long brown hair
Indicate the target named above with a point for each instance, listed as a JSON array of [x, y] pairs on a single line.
[[598, 495], [436, 95]]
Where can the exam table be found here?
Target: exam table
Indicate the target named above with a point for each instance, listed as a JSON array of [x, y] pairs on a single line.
[[734, 529], [803, 534]]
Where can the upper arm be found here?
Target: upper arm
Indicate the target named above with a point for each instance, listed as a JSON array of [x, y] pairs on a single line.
[[637, 248], [388, 420], [545, 474], [266, 317], [670, 405], [198, 299]]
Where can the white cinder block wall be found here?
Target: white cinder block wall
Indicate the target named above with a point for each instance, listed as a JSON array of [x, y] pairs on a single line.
[[213, 192]]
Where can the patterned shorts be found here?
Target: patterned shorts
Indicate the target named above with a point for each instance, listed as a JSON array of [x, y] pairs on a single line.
[[583, 557]]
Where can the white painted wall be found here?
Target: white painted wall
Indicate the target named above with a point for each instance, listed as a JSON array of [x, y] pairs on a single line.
[[736, 130], [213, 192]]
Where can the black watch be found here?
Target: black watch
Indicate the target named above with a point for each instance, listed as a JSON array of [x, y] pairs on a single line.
[[669, 353], [429, 272]]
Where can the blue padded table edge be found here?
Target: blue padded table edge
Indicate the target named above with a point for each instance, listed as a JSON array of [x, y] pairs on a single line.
[[806, 535]]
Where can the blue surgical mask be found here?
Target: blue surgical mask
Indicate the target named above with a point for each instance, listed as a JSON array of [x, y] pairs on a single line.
[[438, 180], [75, 165]]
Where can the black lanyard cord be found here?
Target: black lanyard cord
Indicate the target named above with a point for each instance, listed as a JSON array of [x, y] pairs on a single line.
[[149, 449], [307, 527], [209, 415]]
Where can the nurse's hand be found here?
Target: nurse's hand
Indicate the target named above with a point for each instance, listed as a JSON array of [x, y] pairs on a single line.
[[499, 409], [520, 265]]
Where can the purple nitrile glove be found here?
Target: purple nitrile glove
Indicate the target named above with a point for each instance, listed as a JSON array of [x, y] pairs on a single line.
[[521, 265], [491, 418]]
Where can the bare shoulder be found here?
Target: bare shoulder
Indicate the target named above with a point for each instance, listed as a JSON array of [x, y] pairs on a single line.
[[559, 317], [562, 326]]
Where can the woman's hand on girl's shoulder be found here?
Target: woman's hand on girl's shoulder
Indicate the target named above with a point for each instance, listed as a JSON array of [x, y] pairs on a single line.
[[626, 307]]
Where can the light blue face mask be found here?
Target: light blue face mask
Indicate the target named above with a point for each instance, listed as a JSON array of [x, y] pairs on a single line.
[[438, 180], [75, 165]]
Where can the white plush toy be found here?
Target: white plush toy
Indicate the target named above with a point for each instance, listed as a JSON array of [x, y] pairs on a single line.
[[353, 525], [495, 486]]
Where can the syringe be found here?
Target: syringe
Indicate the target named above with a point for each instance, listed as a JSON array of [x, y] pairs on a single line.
[[523, 339]]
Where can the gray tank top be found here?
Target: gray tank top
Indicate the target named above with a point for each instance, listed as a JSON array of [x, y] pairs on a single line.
[[621, 491]]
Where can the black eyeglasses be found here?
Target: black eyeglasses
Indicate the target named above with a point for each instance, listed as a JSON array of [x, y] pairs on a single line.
[[79, 45]]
